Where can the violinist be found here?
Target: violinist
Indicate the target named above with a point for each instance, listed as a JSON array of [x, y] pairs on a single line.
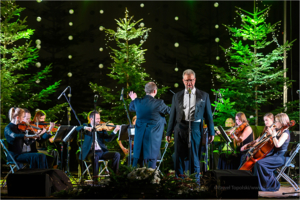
[[269, 121], [243, 134], [265, 167], [101, 151], [43, 136], [15, 139]]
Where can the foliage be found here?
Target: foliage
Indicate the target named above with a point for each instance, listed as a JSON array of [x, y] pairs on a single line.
[[120, 186], [253, 77], [224, 110], [126, 70], [292, 110], [18, 86]]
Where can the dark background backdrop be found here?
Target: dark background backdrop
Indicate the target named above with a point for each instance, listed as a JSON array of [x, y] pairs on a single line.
[[194, 31]]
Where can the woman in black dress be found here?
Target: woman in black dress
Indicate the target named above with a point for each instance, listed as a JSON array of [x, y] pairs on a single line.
[[245, 136]]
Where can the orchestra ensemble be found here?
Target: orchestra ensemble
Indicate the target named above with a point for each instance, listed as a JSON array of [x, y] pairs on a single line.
[[190, 107]]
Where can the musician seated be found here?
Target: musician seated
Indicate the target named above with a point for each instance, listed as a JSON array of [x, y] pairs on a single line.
[[264, 168], [16, 138], [31, 143], [243, 134], [101, 151], [269, 121]]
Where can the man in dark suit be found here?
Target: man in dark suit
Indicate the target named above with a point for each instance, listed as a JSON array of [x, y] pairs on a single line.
[[101, 151], [192, 105], [149, 126]]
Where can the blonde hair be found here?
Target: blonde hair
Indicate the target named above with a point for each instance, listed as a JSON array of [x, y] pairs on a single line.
[[283, 119], [15, 112], [39, 114], [242, 117]]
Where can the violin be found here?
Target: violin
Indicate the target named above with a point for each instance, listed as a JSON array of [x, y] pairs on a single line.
[[236, 130], [46, 125], [262, 148], [23, 126], [105, 126]]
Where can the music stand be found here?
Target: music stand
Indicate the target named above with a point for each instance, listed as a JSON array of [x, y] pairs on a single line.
[[127, 133], [59, 136], [70, 135], [225, 137]]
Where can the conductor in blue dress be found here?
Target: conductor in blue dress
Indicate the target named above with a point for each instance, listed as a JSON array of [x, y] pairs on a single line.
[[200, 108], [149, 126]]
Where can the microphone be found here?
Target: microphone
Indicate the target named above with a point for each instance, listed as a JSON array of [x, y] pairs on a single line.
[[95, 98], [298, 91], [220, 96], [121, 94], [63, 92]]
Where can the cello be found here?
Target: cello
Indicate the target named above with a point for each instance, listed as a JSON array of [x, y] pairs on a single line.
[[260, 149]]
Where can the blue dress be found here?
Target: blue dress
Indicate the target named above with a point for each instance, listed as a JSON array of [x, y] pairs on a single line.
[[264, 168]]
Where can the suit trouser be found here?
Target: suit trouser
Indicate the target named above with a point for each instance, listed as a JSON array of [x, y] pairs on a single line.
[[182, 150], [99, 154]]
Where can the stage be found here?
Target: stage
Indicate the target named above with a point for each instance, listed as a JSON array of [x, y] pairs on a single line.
[[285, 188]]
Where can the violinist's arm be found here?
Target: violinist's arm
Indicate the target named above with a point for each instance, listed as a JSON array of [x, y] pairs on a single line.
[[10, 135], [279, 142]]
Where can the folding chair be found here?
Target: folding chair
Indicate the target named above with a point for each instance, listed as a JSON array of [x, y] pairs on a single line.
[[87, 167], [162, 157], [288, 164], [12, 164]]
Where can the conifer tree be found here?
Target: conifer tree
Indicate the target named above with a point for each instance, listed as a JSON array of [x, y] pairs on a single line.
[[19, 87], [126, 70], [254, 77]]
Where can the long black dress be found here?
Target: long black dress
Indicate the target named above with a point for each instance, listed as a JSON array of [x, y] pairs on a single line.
[[15, 140], [265, 167]]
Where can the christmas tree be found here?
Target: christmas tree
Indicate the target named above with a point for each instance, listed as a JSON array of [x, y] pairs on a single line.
[[126, 70], [254, 76], [19, 86]]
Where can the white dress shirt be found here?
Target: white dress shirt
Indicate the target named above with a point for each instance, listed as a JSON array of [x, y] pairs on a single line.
[[186, 105]]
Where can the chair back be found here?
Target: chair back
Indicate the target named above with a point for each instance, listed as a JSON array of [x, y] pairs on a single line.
[[292, 154], [7, 154]]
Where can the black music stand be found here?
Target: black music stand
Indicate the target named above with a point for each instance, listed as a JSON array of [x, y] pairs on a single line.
[[61, 132], [127, 133], [226, 139]]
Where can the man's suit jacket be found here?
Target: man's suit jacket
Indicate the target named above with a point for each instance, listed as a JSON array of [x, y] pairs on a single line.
[[102, 137], [202, 111], [149, 127]]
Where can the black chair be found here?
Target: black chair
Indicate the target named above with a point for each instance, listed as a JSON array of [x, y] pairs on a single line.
[[12, 164], [287, 165]]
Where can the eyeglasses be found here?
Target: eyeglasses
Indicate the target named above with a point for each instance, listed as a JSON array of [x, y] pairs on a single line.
[[186, 81]]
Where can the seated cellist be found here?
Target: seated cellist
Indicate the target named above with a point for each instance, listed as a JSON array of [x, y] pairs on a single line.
[[269, 121], [265, 167]]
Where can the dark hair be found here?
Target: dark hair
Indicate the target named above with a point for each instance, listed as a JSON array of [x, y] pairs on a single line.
[[93, 113]]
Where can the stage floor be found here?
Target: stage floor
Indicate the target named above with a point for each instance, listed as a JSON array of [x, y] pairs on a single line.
[[285, 188]]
